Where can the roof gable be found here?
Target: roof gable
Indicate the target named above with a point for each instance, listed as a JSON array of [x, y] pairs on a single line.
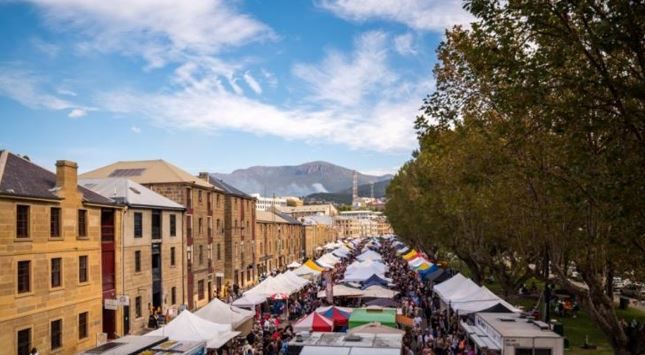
[[21, 177]]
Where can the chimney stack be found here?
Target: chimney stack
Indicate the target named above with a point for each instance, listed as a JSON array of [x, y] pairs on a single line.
[[204, 176], [67, 175]]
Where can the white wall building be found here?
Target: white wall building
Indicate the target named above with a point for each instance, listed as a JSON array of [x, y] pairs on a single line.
[[266, 203]]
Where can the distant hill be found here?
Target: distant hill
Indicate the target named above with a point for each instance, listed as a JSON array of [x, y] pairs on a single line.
[[345, 196], [298, 180]]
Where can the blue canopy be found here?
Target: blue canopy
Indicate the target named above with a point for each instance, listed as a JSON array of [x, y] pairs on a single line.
[[374, 280], [427, 272]]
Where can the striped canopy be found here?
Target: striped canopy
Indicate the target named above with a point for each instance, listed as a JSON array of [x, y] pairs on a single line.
[[314, 322]]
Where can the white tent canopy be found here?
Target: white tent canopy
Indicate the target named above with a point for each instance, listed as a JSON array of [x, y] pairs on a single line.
[[304, 270], [341, 290], [249, 301], [217, 311], [378, 291], [328, 259], [479, 300], [457, 286], [369, 255], [189, 327], [293, 265]]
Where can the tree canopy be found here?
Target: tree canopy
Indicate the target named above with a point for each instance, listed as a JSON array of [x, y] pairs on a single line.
[[532, 150]]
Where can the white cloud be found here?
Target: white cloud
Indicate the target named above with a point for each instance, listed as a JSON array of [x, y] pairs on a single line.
[[198, 100], [381, 172], [77, 113], [27, 88], [252, 83], [135, 129], [50, 49], [270, 78], [347, 80], [157, 30], [425, 15], [404, 44]]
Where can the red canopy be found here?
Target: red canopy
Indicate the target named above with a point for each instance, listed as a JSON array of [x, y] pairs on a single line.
[[314, 322], [339, 317]]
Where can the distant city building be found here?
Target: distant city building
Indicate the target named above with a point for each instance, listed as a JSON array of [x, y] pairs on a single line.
[[310, 210], [279, 240], [351, 224], [266, 203], [319, 230]]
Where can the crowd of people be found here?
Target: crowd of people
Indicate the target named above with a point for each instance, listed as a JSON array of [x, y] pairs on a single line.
[[430, 329]]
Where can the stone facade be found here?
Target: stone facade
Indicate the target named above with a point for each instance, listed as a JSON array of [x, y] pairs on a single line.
[[42, 304], [204, 274], [139, 283], [317, 235], [278, 242], [239, 239]]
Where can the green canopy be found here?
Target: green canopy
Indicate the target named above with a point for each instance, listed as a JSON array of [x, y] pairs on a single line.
[[363, 316]]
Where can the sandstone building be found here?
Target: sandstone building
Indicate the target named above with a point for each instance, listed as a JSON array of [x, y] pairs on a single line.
[[152, 249], [57, 256], [203, 220]]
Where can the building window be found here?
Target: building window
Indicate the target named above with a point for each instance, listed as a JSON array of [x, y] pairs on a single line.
[[22, 221], [56, 270], [24, 276], [173, 295], [199, 196], [218, 227], [200, 289], [199, 224], [189, 198], [137, 307], [24, 341], [172, 256], [201, 254], [138, 225], [82, 223], [82, 325], [219, 252], [82, 268], [54, 223], [137, 261], [56, 334], [173, 225]]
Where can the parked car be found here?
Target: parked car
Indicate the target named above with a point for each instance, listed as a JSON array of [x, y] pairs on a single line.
[[634, 291], [617, 283]]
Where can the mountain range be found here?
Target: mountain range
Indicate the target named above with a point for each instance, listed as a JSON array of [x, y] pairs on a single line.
[[300, 180]]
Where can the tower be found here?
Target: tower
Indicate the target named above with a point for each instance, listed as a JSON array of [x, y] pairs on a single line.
[[355, 202]]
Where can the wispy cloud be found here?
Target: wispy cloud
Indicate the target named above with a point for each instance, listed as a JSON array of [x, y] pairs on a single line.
[[425, 15], [27, 88], [158, 30], [346, 80], [77, 113], [49, 49], [135, 129], [404, 44], [252, 83], [199, 99]]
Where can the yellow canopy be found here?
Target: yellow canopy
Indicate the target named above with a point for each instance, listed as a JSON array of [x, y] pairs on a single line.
[[312, 265], [423, 266], [410, 255]]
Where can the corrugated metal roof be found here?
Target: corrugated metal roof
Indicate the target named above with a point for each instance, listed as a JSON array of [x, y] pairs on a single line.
[[147, 172], [229, 189], [129, 192]]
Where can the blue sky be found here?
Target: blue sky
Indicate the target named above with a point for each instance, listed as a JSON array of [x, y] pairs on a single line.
[[216, 85]]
